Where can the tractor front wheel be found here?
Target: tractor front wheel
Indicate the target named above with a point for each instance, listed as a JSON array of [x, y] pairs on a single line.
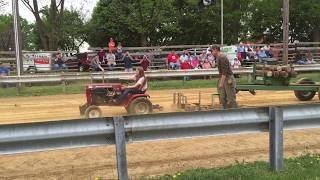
[[305, 95], [93, 112], [140, 105]]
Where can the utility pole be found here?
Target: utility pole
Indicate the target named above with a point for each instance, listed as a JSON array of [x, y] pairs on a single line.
[[221, 22], [17, 36], [285, 31]]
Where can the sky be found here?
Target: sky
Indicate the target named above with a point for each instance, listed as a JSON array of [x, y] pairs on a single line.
[[86, 6]]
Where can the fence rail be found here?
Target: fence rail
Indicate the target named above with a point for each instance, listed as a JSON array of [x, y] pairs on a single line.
[[40, 136], [125, 75]]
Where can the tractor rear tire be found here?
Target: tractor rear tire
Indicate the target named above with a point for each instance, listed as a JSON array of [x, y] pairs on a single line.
[[93, 112], [140, 105], [305, 95]]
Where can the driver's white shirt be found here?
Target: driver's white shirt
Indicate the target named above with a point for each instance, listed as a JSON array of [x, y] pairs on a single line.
[[140, 82]]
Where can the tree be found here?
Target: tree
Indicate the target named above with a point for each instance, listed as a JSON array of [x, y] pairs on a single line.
[[7, 34], [264, 19], [136, 23], [49, 32], [73, 30]]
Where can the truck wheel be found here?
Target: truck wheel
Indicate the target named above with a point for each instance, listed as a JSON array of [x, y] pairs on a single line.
[[140, 105], [305, 95], [93, 112]]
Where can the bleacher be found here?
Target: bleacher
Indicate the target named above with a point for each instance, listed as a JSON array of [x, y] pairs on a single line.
[[158, 55]]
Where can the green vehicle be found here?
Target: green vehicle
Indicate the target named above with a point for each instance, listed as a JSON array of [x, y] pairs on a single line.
[[277, 78]]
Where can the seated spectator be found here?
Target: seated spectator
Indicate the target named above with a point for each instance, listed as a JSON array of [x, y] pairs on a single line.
[[241, 54], [236, 63], [211, 60], [186, 65], [145, 62], [59, 63], [96, 64], [206, 65], [101, 55], [4, 71], [202, 57], [127, 61], [184, 57], [111, 60], [195, 62], [299, 59], [267, 50], [250, 53], [173, 61], [119, 51], [262, 56], [309, 58]]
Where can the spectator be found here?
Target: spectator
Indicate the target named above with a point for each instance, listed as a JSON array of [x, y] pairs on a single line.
[[145, 62], [111, 60], [101, 55], [195, 62], [309, 58], [111, 45], [211, 60], [202, 57], [206, 65], [262, 56], [184, 57], [127, 60], [4, 71], [173, 61], [186, 65], [96, 64], [241, 53], [236, 63], [119, 51], [59, 63], [267, 50], [250, 53]]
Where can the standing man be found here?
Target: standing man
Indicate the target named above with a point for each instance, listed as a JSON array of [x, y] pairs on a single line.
[[227, 82]]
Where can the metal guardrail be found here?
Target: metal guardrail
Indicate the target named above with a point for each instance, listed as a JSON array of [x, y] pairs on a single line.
[[40, 136], [125, 75]]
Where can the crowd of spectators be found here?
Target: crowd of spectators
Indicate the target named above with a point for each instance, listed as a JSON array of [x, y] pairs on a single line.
[[186, 60]]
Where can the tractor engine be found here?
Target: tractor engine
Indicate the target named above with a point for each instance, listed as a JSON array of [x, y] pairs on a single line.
[[102, 96]]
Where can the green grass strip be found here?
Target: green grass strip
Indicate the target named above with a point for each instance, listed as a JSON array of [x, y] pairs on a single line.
[[304, 167], [78, 87]]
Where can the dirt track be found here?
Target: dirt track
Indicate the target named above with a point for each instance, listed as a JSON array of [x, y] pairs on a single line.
[[144, 158], [58, 107]]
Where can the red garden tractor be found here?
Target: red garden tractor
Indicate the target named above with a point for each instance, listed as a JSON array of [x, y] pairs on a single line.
[[104, 94]]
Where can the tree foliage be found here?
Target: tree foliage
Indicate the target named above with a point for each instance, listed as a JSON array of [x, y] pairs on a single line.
[[50, 31], [152, 22], [7, 33]]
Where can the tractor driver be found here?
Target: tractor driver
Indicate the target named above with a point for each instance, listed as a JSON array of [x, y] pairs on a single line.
[[140, 87]]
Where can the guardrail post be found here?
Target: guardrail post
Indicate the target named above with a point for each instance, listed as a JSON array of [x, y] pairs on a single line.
[[276, 138], [121, 148]]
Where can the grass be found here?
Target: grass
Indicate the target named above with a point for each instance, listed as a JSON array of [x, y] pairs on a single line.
[[304, 167], [78, 87]]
